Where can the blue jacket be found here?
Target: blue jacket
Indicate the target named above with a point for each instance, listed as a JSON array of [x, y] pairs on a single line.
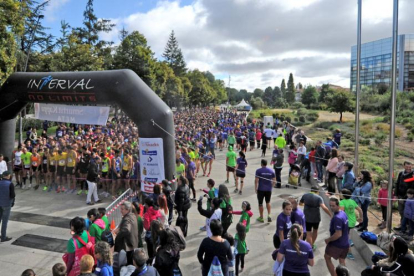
[[6, 193], [104, 270], [409, 209], [348, 180], [362, 192]]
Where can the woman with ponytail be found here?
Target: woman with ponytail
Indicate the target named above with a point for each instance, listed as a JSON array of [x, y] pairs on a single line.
[[240, 172], [297, 253]]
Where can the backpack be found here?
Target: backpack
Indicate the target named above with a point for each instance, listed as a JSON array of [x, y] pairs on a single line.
[[215, 268], [88, 248], [384, 239], [369, 237], [107, 236], [227, 217]]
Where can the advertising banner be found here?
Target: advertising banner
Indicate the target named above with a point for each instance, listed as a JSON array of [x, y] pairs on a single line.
[[151, 157], [90, 115]]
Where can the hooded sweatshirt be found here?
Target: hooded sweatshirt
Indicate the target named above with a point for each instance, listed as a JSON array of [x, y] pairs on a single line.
[[149, 216], [245, 218], [96, 229]]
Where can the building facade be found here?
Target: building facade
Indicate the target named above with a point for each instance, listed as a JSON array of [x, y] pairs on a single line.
[[376, 63]]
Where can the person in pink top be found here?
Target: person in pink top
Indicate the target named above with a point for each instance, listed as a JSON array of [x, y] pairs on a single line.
[[332, 169], [382, 201], [258, 137]]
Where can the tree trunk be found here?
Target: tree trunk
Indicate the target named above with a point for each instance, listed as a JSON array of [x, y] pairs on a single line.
[[340, 117]]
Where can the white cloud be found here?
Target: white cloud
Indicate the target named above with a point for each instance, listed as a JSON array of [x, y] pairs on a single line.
[[259, 42], [52, 7]]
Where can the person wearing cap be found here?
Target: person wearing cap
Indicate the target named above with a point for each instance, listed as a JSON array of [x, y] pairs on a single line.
[[7, 197], [231, 158]]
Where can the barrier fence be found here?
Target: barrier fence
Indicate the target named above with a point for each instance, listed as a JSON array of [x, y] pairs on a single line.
[[113, 211]]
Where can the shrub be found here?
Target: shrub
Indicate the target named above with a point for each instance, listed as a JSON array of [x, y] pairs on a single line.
[[297, 105], [288, 119], [302, 119], [405, 121], [379, 139], [378, 169], [296, 119], [383, 127], [412, 131], [323, 106], [398, 133], [365, 142], [408, 126], [302, 111], [262, 115], [312, 117], [410, 137]]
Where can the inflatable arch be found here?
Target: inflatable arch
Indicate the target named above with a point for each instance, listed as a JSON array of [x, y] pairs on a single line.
[[121, 87]]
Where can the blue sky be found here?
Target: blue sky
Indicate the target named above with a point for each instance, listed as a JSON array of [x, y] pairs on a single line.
[[257, 42]]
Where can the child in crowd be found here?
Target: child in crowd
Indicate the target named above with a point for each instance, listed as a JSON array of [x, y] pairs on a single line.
[[382, 201], [59, 269], [246, 214], [240, 246], [231, 263], [408, 216], [102, 216], [103, 255], [28, 272], [211, 193], [349, 206], [86, 265]]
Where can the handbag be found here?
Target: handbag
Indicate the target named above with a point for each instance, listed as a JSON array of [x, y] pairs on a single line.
[[215, 268]]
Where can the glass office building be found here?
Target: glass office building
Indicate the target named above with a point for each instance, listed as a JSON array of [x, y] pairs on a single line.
[[376, 63]]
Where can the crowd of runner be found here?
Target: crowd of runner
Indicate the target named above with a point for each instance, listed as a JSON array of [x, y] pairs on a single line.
[[87, 159]]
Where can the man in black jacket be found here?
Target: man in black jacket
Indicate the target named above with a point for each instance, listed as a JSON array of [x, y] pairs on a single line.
[[91, 179], [401, 188], [6, 202]]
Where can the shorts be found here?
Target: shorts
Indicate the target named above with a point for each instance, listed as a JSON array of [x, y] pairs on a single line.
[[336, 252], [70, 170], [220, 141], [104, 174], [238, 142], [276, 241], [240, 174], [83, 170], [36, 168], [231, 145], [17, 168], [268, 138], [230, 169], [44, 167], [52, 169], [61, 171], [114, 175], [252, 143], [312, 225], [263, 195], [124, 174], [26, 167]]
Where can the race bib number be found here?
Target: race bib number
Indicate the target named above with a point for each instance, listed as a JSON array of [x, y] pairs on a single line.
[[105, 167], [27, 166], [18, 160], [45, 161], [34, 163], [61, 162], [69, 160], [52, 162]]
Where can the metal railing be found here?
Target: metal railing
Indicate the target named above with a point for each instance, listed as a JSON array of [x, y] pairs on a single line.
[[113, 211]]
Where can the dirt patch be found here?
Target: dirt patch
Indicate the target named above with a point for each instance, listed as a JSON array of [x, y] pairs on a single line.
[[375, 217]]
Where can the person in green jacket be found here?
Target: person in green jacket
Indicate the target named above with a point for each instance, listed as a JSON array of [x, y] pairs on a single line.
[[246, 214], [241, 246], [231, 140], [102, 214], [280, 142], [97, 225]]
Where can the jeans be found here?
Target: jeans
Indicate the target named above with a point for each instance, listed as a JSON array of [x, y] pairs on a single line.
[[404, 223], [278, 172], [401, 206], [4, 219], [92, 189], [319, 167], [364, 207]]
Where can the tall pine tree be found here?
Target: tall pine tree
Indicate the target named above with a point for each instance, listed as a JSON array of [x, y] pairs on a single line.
[[174, 56], [283, 89], [290, 92]]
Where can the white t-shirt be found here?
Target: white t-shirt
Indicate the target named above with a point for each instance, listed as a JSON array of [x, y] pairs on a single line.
[[216, 215], [3, 167], [164, 218], [302, 150]]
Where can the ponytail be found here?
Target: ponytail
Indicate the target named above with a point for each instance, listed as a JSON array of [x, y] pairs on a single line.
[[243, 156], [295, 233]]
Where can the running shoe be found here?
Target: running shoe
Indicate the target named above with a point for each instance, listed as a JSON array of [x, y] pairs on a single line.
[[314, 247], [30, 186], [24, 187], [351, 243], [86, 192], [269, 219], [90, 203], [45, 188], [36, 187], [236, 190], [240, 192], [80, 192], [203, 228], [350, 256], [227, 181], [260, 219]]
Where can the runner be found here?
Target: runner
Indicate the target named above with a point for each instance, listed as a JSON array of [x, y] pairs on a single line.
[[230, 163], [240, 172], [263, 187]]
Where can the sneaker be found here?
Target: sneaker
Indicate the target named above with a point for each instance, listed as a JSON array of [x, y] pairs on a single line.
[[36, 187], [90, 203], [398, 228], [227, 181], [314, 247], [350, 256], [24, 187], [240, 193], [45, 188], [79, 192], [269, 219], [6, 239], [86, 192], [194, 199], [260, 219], [351, 243], [380, 224], [203, 228], [30, 186], [99, 201], [236, 190]]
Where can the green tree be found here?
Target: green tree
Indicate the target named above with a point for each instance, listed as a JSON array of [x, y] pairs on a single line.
[[232, 94], [309, 96], [258, 93], [134, 53], [290, 92], [11, 25], [283, 89], [269, 97], [300, 86], [201, 92], [174, 56], [257, 103], [325, 91], [340, 101]]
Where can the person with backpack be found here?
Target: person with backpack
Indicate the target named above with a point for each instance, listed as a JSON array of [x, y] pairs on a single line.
[[214, 246], [102, 215], [77, 246], [168, 254], [226, 207], [97, 225], [104, 257]]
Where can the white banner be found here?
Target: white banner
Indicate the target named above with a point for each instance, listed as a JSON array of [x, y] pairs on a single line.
[[94, 115], [151, 157]]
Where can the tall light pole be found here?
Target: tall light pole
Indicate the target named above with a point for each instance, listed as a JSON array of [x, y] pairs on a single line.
[[358, 87], [25, 67], [393, 103]]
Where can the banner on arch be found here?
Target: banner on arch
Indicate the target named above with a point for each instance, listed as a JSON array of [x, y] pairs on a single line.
[[151, 157]]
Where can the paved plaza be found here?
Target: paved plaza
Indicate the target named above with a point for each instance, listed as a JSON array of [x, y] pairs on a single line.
[[57, 209]]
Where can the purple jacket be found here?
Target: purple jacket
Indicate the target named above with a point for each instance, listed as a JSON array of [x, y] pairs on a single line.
[[409, 209]]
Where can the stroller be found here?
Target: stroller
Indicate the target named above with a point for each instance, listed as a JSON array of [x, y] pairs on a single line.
[[305, 168], [294, 177]]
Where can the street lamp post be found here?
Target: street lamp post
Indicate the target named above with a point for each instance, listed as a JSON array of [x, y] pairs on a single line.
[[358, 87]]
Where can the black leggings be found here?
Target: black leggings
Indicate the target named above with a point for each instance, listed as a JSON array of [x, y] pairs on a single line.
[[288, 273], [239, 259], [191, 184], [384, 212]]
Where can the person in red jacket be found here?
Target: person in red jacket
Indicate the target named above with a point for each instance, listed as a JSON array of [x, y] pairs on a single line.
[[150, 215], [258, 137]]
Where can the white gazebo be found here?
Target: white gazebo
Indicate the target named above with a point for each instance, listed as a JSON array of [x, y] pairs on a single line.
[[243, 106]]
